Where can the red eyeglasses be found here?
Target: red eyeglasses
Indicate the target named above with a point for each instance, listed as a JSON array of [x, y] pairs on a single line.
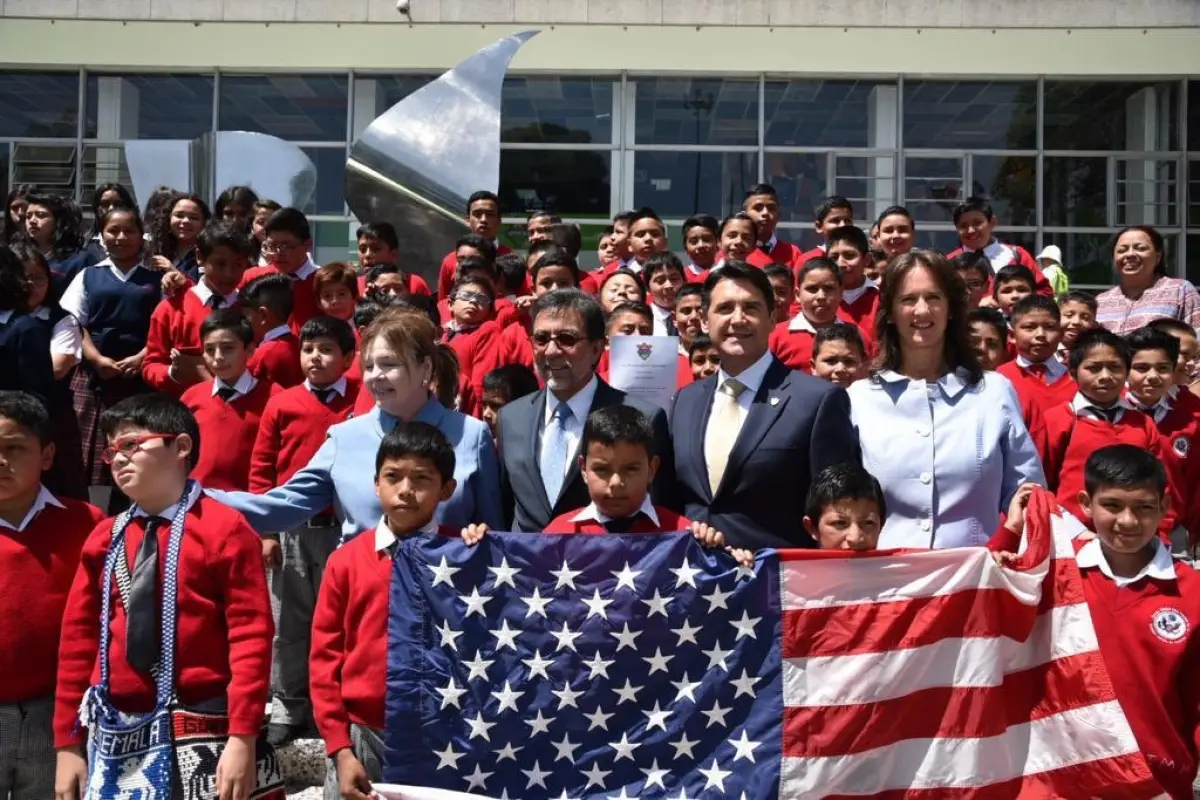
[[130, 446]]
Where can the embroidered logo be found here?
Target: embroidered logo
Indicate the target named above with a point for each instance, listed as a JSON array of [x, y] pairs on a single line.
[[644, 350], [1169, 625], [1180, 446]]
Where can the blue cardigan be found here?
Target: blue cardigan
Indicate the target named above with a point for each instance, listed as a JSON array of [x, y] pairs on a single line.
[[342, 475]]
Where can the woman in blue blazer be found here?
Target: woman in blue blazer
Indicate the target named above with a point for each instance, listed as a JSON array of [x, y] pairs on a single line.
[[400, 356]]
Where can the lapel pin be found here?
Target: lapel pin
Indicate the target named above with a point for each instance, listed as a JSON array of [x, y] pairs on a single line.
[[774, 400]]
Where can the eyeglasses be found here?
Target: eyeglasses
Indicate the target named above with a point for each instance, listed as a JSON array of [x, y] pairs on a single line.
[[564, 339], [477, 298], [278, 249], [975, 286], [127, 448]]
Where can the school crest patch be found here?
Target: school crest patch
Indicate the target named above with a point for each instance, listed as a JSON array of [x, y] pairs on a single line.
[[1169, 625], [644, 350], [1180, 446]]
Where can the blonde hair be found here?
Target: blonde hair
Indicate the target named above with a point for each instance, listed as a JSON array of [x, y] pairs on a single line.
[[337, 273], [411, 334]]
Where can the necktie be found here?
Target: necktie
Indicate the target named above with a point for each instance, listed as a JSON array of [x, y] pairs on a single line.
[[765, 247], [554, 458], [226, 393], [324, 395], [671, 329], [724, 426], [1038, 371], [623, 525], [1107, 414], [141, 617], [216, 301]]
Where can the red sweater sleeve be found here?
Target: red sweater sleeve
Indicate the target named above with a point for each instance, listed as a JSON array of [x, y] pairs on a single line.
[[446, 274], [248, 621], [156, 364], [327, 655], [80, 642], [1175, 481], [264, 458]]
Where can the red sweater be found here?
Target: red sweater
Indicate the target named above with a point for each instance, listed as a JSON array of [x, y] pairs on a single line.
[[450, 266], [347, 663], [223, 623], [39, 564], [794, 348], [291, 431], [227, 432], [1153, 666], [278, 361], [862, 311], [1031, 388], [1180, 430], [515, 346], [668, 522], [478, 354], [175, 324], [304, 296], [1041, 284]]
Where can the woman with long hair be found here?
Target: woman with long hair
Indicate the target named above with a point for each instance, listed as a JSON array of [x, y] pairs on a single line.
[[53, 224], [174, 231], [235, 205], [24, 341], [13, 225], [106, 197]]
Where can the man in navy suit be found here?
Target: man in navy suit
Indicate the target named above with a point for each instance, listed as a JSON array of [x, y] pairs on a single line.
[[539, 434], [749, 439]]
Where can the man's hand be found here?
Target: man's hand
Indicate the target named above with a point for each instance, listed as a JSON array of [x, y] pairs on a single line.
[[236, 770], [708, 536], [70, 774], [352, 776]]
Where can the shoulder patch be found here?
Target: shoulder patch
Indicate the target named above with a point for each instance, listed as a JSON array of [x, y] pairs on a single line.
[[1169, 625], [1181, 446]]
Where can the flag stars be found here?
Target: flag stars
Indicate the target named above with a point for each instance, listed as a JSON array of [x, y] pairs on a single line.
[[716, 599], [443, 573], [448, 757], [657, 718], [506, 698], [535, 604], [626, 638], [478, 778], [715, 776], [685, 688], [744, 747], [508, 751], [595, 776], [479, 728], [658, 662], [475, 602], [598, 666], [566, 750], [478, 667], [537, 776], [505, 636], [450, 694], [657, 604], [537, 665], [717, 656], [745, 626], [627, 577], [597, 606], [684, 745], [566, 638], [566, 576], [449, 637], [503, 575], [716, 715], [598, 719], [685, 575], [654, 776], [624, 747], [628, 693], [686, 633], [744, 685], [539, 724], [566, 697]]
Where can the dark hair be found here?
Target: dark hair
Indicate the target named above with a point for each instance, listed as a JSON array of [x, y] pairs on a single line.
[[228, 319], [1099, 337], [153, 413], [1148, 338], [852, 235], [417, 440], [973, 260], [8, 232], [777, 271], [645, 212], [567, 236], [632, 307], [956, 349], [876, 254], [511, 269], [739, 271], [326, 327], [740, 216], [289, 220], [560, 301], [27, 412], [618, 424], [27, 252], [989, 316], [543, 213], [482, 195], [556, 258], [242, 196], [511, 380], [224, 234], [336, 273], [126, 199], [1035, 302], [839, 483], [1085, 298], [1014, 272], [1124, 466], [973, 204], [162, 241], [383, 231], [706, 221], [626, 217], [702, 342], [627, 273], [477, 265], [366, 310], [839, 332], [1168, 324], [68, 222], [661, 262], [476, 280], [14, 289], [760, 189], [816, 264], [272, 291], [832, 203], [1156, 241], [482, 244], [896, 211], [689, 289], [158, 198], [115, 210], [380, 269], [542, 247]]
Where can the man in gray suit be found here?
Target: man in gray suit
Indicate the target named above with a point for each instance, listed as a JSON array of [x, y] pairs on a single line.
[[538, 435]]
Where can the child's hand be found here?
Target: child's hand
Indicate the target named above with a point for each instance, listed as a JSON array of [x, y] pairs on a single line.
[[173, 281], [744, 557], [1016, 508], [353, 783], [1003, 558], [70, 774], [707, 536], [272, 553], [473, 533], [236, 770], [987, 301]]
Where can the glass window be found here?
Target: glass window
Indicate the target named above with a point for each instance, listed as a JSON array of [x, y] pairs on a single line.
[[1075, 192], [803, 236], [330, 193], [1010, 184], [391, 89], [51, 168], [1085, 115], [680, 184], [569, 182], [513, 234], [965, 114], [802, 181], [292, 107], [868, 182], [104, 165], [1192, 271], [148, 106], [39, 105], [1146, 192], [943, 241], [1193, 194], [1193, 122], [829, 113], [569, 110], [1087, 256], [933, 187], [697, 111], [333, 241]]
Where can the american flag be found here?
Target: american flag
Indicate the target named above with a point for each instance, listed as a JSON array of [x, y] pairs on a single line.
[[539, 666]]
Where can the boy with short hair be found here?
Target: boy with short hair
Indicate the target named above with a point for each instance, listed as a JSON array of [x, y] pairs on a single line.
[[819, 293], [875, 267], [501, 386], [988, 333], [287, 250], [1013, 284], [228, 408], [414, 472], [630, 318], [337, 288], [846, 246], [762, 204], [664, 278], [378, 244], [554, 269], [386, 282], [473, 336], [267, 304], [976, 272], [833, 213], [976, 223], [783, 286], [839, 355], [172, 362], [1078, 311], [700, 235], [223, 617], [512, 277], [1035, 373], [483, 218], [704, 359], [293, 427], [41, 537], [845, 509], [622, 254], [647, 237], [1189, 348]]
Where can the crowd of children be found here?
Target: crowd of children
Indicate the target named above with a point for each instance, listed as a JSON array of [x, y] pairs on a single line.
[[201, 350]]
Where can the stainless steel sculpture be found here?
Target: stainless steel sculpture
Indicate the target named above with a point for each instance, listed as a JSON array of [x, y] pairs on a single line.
[[416, 165]]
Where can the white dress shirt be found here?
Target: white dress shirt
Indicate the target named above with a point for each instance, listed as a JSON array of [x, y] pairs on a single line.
[[1054, 368], [275, 333], [1160, 567], [205, 294], [44, 498], [949, 455], [169, 512], [384, 538], [591, 512], [74, 299], [338, 386], [580, 405], [243, 386], [850, 296], [1083, 407], [751, 378], [661, 316], [66, 338]]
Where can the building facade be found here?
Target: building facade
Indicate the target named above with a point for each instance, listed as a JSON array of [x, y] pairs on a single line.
[[1076, 117]]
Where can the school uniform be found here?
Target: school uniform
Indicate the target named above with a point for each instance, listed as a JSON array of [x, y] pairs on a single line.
[[477, 348], [188, 264], [1177, 417], [65, 266], [1046, 384], [861, 305], [223, 621], [304, 294], [25, 343], [1002, 255], [175, 325], [1146, 632], [590, 281], [647, 519], [819, 251], [229, 418], [792, 342], [65, 477], [292, 430], [502, 312], [449, 268], [695, 274], [39, 557], [277, 358], [1079, 428], [516, 345]]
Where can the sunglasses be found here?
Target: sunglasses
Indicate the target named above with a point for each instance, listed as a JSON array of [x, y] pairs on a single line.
[[478, 298], [564, 339], [127, 448]]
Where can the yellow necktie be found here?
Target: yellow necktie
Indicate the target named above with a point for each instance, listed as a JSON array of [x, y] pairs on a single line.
[[724, 426]]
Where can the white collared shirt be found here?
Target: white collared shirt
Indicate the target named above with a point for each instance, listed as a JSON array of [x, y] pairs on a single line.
[[384, 538], [307, 269], [661, 316], [275, 333], [800, 324], [770, 244], [580, 405], [74, 299], [850, 296], [205, 294], [751, 378], [1159, 410], [1054, 368], [243, 386], [1082, 407], [66, 338], [1161, 566], [44, 498], [169, 512], [591, 512], [338, 386]]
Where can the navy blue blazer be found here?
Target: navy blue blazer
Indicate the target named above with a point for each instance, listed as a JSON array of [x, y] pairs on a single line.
[[25, 364], [797, 426]]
